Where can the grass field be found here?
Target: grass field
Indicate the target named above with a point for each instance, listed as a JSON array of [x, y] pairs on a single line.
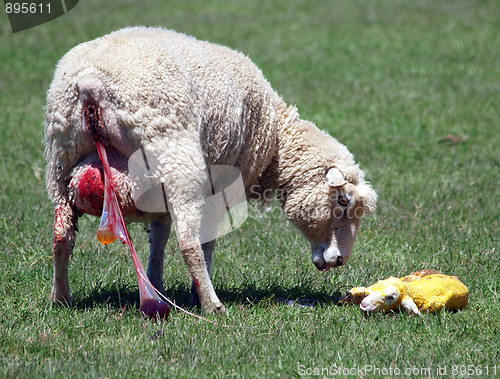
[[393, 80]]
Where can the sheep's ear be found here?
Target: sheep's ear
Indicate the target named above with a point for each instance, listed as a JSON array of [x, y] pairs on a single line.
[[408, 304], [335, 178], [368, 197]]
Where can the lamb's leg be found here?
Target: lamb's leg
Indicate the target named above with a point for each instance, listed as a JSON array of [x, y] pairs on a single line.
[[208, 249], [65, 224], [158, 237]]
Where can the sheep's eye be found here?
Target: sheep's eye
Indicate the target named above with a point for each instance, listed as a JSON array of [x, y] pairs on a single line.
[[343, 201], [390, 297]]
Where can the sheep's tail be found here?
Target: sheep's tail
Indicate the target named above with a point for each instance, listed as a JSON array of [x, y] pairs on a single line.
[[90, 89], [93, 121]]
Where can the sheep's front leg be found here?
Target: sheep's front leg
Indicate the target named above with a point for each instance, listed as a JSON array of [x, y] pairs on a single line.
[[65, 223], [179, 162], [158, 237], [208, 249], [198, 257], [186, 216], [195, 260]]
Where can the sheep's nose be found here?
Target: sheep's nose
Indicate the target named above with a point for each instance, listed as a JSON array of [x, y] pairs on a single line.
[[339, 261]]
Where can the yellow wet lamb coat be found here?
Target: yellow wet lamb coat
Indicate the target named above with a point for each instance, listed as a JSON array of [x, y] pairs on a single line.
[[420, 292]]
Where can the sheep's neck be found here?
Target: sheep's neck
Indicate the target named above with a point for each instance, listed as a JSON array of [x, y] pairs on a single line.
[[291, 165]]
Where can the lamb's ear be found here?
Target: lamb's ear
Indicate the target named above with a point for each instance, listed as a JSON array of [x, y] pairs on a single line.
[[353, 296], [335, 178], [358, 294], [408, 304], [358, 291]]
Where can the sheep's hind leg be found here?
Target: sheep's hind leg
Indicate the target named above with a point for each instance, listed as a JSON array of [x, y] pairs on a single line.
[[158, 237], [194, 253], [65, 224]]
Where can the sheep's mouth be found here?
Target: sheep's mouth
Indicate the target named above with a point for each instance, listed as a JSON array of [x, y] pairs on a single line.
[[321, 263], [322, 266], [86, 186], [319, 260]]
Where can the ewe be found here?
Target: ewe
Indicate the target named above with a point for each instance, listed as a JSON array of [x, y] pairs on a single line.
[[191, 105]]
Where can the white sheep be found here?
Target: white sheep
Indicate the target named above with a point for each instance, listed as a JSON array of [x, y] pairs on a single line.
[[191, 105]]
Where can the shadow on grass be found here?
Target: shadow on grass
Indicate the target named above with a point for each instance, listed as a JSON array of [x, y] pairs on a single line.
[[251, 294], [116, 296], [121, 296]]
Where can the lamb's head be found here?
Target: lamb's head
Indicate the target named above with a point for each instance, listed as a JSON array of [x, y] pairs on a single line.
[[328, 210], [385, 295]]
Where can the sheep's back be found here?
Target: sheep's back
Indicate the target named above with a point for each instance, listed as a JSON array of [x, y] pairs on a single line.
[[157, 81]]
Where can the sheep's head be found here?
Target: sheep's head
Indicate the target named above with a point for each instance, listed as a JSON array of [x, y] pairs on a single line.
[[385, 295], [328, 211]]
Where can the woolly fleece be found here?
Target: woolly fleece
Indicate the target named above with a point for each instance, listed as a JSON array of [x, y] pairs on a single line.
[[192, 104]]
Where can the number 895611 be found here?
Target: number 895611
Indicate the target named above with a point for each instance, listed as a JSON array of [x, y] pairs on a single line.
[[27, 8]]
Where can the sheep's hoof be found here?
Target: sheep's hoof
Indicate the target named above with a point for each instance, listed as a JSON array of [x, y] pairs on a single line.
[[218, 308], [209, 307], [61, 300]]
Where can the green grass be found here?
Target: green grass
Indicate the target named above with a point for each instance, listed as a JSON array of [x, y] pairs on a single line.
[[389, 79]]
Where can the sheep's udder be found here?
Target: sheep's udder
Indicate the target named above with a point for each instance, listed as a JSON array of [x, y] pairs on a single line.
[[113, 227]]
